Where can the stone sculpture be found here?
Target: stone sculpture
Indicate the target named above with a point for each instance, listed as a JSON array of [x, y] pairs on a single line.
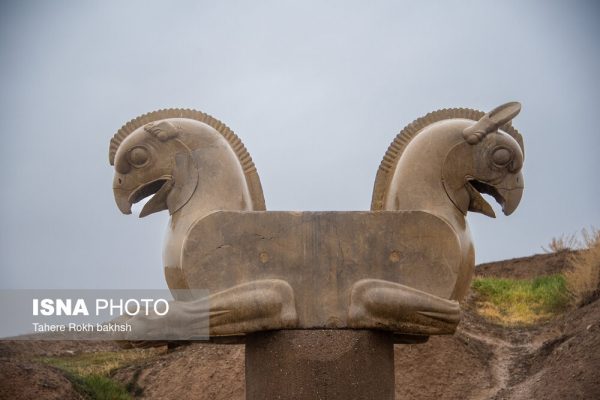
[[401, 267]]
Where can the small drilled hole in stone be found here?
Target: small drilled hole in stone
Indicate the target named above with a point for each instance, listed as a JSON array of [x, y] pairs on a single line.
[[264, 257]]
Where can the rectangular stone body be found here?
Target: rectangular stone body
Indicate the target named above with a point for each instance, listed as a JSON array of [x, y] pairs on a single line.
[[321, 255]]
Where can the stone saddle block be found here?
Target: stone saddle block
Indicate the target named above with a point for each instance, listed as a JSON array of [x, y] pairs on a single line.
[[391, 270]]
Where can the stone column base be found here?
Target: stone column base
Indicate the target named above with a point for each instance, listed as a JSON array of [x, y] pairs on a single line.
[[320, 364]]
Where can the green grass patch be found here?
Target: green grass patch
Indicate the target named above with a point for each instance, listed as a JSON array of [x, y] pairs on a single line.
[[98, 387], [99, 363], [89, 372], [521, 301]]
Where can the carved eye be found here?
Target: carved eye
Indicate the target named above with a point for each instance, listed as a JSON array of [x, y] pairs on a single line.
[[138, 156], [501, 156]]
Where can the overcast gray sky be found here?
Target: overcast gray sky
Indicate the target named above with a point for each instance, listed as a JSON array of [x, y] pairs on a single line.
[[315, 89]]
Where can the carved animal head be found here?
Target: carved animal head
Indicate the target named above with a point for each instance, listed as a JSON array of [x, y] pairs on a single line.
[[153, 160], [488, 161], [465, 150], [158, 154]]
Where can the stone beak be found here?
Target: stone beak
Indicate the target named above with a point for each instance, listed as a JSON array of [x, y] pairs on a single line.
[[158, 189]]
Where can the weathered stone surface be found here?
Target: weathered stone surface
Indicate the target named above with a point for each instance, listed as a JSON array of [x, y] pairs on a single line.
[[324, 255], [399, 271], [320, 364]]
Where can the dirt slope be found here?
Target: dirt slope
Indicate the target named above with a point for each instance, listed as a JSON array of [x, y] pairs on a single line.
[[208, 371], [20, 379], [527, 267]]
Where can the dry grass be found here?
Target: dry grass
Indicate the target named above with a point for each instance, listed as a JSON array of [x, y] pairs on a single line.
[[583, 279], [562, 243], [100, 363]]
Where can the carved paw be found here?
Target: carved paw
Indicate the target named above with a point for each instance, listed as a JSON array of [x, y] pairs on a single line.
[[254, 306], [378, 304]]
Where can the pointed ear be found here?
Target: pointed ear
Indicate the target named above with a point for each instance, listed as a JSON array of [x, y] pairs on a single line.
[[163, 130], [491, 121]]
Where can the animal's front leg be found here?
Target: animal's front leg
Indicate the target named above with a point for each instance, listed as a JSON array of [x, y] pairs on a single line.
[[379, 304], [254, 306]]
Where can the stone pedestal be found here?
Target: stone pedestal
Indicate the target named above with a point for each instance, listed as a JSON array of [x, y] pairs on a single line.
[[320, 364]]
